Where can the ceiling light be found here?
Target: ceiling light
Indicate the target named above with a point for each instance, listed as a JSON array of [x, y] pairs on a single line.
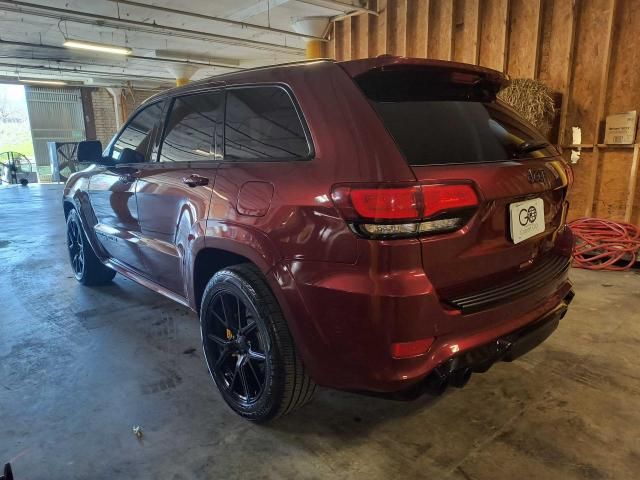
[[43, 82], [97, 47]]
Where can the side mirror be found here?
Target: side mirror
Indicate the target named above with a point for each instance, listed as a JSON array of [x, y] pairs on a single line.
[[90, 151], [127, 155]]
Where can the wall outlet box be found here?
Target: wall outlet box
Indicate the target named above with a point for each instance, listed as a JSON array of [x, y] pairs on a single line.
[[621, 128]]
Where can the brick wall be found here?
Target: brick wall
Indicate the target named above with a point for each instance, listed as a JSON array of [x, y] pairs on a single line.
[[104, 113], [132, 98]]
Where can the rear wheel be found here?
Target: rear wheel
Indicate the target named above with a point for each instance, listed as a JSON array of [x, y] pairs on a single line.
[[87, 268], [248, 346]]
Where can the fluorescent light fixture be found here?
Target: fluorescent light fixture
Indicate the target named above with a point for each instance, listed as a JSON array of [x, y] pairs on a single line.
[[97, 47], [43, 82]]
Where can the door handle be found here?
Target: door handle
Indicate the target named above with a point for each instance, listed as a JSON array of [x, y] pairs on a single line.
[[195, 181]]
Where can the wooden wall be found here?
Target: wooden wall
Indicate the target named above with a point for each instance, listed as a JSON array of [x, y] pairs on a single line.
[[587, 51]]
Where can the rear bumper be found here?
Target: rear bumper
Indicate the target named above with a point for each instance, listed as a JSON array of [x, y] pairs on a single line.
[[344, 320], [508, 347]]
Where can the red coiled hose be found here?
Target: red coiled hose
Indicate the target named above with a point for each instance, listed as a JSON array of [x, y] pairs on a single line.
[[600, 244]]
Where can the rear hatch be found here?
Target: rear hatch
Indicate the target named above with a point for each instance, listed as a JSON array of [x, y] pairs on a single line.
[[448, 125]]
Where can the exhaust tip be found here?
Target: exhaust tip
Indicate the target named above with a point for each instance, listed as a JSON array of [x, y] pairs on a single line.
[[436, 384], [460, 378]]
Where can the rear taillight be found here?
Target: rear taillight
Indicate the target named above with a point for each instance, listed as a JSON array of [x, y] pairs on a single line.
[[442, 198], [387, 203], [382, 211]]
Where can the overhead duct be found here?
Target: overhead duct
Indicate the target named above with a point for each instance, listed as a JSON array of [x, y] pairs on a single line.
[[181, 56], [314, 27]]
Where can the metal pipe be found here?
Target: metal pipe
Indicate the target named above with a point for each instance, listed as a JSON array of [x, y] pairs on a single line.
[[136, 57], [117, 105], [134, 25], [73, 71], [338, 6], [75, 84], [216, 19]]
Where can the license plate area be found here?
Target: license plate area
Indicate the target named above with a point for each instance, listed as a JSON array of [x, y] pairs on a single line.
[[526, 219]]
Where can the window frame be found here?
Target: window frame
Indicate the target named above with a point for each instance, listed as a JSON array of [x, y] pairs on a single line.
[[214, 139], [149, 150], [299, 113]]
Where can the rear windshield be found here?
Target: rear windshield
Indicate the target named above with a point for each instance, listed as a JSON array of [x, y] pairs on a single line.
[[434, 121]]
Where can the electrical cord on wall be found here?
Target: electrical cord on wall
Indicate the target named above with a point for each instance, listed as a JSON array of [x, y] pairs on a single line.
[[604, 244]]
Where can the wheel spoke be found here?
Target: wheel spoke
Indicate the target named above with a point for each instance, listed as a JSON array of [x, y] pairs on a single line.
[[243, 379], [220, 319], [221, 359], [261, 357], [255, 375], [233, 378], [77, 263], [224, 311], [218, 340], [250, 327], [238, 313]]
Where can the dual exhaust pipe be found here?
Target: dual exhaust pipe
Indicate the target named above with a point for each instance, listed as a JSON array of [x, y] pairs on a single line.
[[437, 383]]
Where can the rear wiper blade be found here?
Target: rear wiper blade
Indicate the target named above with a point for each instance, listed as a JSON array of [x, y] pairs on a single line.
[[527, 147]]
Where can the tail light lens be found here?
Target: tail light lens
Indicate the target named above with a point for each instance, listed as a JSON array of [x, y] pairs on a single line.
[[387, 203], [442, 198], [411, 349], [381, 211]]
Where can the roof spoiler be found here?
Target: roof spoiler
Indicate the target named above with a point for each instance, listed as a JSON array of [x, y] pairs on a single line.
[[462, 73]]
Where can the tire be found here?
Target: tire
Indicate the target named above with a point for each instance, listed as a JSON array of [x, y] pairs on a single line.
[[248, 346], [87, 268]]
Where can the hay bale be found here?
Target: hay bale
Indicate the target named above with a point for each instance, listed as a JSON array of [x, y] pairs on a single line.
[[531, 99]]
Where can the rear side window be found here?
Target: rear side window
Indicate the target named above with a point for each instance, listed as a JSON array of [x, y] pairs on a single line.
[[436, 121], [191, 128], [138, 133], [262, 123]]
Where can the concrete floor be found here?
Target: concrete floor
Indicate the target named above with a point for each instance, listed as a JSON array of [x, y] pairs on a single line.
[[79, 367]]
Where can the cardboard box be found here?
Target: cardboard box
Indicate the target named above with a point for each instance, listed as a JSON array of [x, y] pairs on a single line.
[[621, 128]]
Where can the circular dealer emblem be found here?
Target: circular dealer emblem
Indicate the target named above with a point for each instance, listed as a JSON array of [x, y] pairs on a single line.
[[528, 215]]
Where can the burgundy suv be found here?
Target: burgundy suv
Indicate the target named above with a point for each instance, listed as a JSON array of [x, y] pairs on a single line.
[[384, 225]]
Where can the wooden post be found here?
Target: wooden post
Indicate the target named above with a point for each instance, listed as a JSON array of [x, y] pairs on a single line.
[[566, 88], [602, 97], [633, 181]]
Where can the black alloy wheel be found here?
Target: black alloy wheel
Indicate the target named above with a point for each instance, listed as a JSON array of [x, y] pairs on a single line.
[[238, 349], [75, 245], [248, 347], [87, 267]]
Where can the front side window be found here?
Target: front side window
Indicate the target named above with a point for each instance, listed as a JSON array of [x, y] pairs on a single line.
[[191, 128], [137, 135], [262, 124]]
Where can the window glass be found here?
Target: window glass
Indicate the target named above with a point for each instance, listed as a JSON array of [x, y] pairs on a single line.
[[262, 123], [137, 134], [434, 120], [190, 130]]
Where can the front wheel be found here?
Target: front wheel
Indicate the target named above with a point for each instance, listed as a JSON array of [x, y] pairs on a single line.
[[248, 347], [87, 267]]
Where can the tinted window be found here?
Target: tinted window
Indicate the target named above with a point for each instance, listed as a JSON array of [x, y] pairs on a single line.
[[191, 127], [262, 123], [137, 134], [434, 121]]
